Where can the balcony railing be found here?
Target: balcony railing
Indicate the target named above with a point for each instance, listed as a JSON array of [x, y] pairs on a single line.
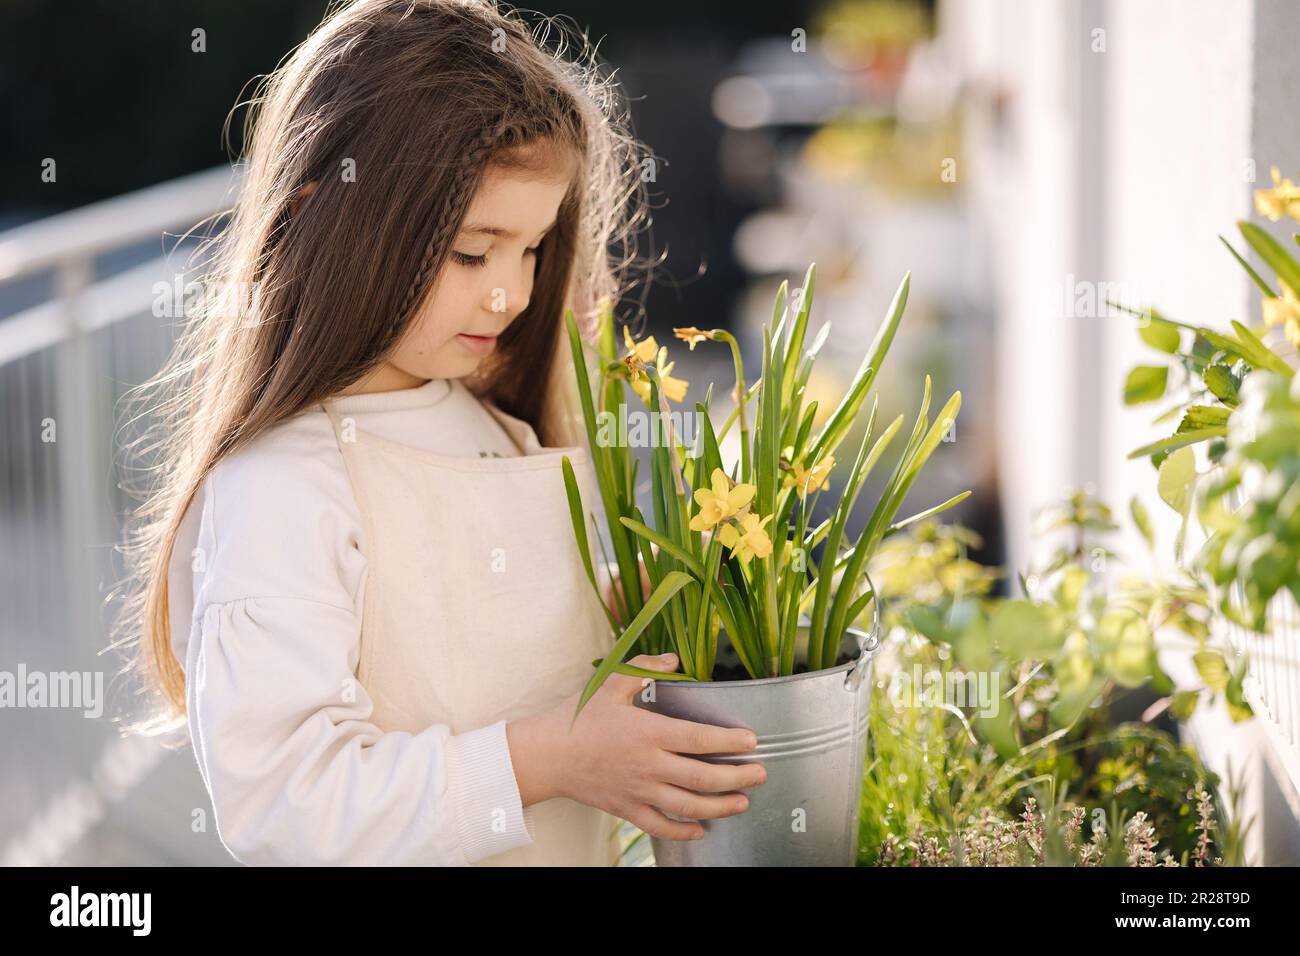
[[65, 364], [1272, 684]]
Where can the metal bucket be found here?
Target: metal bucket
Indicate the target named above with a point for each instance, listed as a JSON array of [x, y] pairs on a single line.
[[812, 736]]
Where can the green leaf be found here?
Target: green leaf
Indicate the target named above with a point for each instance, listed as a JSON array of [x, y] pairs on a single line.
[[1177, 473], [1127, 647], [712, 457], [1271, 251], [1213, 670], [1254, 276], [580, 534], [859, 605], [724, 608], [967, 630], [865, 460], [1183, 704], [1205, 352], [1178, 441], [1204, 337], [1025, 631], [801, 436], [999, 727], [1234, 694], [1239, 712], [1259, 354], [1077, 677], [1073, 703], [1074, 580], [671, 584], [1142, 518], [632, 671], [1074, 666], [840, 419], [920, 447], [927, 513], [605, 461], [666, 544], [1146, 383], [1203, 416], [797, 332], [1160, 335], [1222, 384]]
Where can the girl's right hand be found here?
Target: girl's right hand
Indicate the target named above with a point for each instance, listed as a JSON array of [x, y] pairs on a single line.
[[635, 764]]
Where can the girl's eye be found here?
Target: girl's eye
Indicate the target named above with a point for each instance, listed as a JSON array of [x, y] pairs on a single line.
[[473, 262]]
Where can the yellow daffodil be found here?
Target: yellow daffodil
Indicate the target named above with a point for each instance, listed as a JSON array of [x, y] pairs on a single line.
[[749, 541], [691, 336], [722, 501], [809, 480], [639, 354], [642, 353], [674, 388], [1284, 310], [1281, 200]]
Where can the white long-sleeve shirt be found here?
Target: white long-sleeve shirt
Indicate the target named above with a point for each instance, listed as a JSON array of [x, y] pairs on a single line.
[[266, 589]]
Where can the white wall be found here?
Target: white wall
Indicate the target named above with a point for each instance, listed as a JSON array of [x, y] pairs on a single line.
[[1178, 135], [1014, 172], [1121, 166]]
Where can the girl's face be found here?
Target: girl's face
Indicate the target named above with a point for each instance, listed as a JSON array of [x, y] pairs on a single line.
[[484, 285]]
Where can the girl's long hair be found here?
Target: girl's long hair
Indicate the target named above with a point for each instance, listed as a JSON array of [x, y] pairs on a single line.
[[394, 108]]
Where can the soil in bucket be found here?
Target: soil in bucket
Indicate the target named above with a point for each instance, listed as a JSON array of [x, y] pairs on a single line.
[[727, 666]]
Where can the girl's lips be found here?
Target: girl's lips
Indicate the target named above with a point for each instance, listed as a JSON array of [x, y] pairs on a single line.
[[479, 344]]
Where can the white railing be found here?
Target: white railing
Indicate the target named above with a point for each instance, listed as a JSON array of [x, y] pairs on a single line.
[[69, 245], [1263, 753], [1272, 684], [64, 365]]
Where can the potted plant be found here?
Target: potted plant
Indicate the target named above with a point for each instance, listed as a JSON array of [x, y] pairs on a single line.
[[1056, 693], [1239, 399], [757, 602]]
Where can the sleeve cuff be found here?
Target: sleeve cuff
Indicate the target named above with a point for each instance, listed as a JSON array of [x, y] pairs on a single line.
[[490, 817]]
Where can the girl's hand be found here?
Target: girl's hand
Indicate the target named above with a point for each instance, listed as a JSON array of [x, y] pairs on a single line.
[[631, 762]]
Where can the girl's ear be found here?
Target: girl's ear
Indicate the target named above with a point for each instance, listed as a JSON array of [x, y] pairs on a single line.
[[302, 195]]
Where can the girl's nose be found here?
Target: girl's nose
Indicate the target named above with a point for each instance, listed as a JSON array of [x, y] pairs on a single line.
[[511, 298]]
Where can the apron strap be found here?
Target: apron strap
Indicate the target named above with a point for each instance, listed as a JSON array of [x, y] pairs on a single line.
[[335, 420]]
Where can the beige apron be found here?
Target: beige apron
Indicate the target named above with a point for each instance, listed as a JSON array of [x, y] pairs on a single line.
[[477, 607]]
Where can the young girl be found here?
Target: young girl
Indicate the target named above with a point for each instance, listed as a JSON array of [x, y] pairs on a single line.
[[356, 577]]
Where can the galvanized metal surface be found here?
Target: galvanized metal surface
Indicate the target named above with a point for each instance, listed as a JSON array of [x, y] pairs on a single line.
[[812, 736]]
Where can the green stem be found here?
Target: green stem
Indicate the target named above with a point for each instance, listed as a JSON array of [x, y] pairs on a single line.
[[740, 397]]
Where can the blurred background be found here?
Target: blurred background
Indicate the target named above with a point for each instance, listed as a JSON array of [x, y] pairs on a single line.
[[1008, 153]]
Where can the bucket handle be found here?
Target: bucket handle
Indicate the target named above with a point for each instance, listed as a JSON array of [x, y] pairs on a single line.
[[868, 646]]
